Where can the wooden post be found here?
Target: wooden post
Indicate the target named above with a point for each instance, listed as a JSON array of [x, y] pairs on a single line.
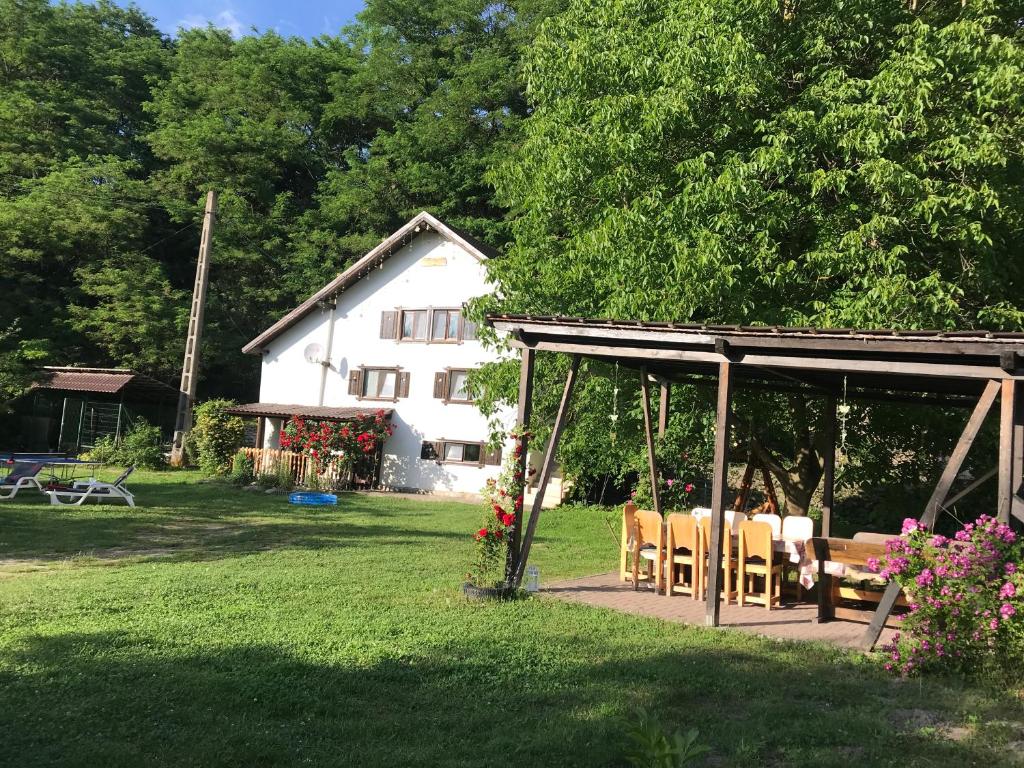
[[547, 468], [829, 467], [526, 370], [720, 486], [664, 396], [194, 338], [935, 503], [1009, 451], [261, 430], [652, 461], [1017, 468]]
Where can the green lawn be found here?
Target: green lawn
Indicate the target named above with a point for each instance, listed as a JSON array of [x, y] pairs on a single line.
[[214, 626]]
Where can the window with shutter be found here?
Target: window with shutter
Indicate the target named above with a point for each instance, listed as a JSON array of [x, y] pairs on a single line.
[[441, 385], [456, 387], [380, 384], [468, 330], [355, 382], [414, 324], [389, 325], [454, 452]]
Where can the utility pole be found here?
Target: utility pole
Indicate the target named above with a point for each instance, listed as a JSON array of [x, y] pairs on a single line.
[[190, 368]]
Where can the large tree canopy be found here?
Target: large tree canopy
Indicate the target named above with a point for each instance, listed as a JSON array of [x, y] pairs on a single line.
[[831, 163], [111, 133], [842, 163]]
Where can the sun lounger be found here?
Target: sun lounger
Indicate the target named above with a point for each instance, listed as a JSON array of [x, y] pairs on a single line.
[[80, 492], [23, 475]]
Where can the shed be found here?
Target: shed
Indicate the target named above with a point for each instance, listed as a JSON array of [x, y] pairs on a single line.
[[69, 408]]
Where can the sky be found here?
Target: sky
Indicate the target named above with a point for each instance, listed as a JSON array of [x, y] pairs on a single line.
[[307, 18]]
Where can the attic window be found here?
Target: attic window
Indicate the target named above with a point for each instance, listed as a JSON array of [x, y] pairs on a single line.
[[441, 325], [414, 324]]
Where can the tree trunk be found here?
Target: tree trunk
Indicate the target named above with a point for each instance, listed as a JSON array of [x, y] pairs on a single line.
[[801, 478]]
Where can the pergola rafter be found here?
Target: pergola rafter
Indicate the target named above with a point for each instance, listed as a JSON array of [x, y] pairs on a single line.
[[957, 369]]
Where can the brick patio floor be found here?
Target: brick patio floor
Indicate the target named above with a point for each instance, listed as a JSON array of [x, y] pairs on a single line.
[[792, 621]]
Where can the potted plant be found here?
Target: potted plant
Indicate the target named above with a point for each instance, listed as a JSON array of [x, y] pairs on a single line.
[[503, 504]]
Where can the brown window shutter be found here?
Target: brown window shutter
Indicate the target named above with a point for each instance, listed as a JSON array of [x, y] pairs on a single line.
[[467, 330], [402, 389], [439, 450], [355, 382], [441, 385], [492, 457], [389, 325]]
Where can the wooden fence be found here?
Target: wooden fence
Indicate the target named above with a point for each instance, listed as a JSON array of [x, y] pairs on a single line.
[[268, 461]]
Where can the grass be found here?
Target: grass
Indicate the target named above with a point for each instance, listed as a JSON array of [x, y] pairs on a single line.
[[220, 627]]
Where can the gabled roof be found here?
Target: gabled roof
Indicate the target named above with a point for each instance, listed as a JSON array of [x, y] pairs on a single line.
[[421, 222], [107, 381]]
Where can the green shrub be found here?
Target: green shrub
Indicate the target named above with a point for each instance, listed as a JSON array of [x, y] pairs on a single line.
[[242, 468], [104, 451], [217, 435], [285, 478], [139, 447], [652, 746]]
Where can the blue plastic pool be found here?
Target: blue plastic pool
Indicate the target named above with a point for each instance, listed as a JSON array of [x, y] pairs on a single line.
[[310, 499]]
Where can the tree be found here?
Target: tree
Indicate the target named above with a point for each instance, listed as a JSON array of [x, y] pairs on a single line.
[[72, 161], [728, 162], [442, 85], [247, 118]]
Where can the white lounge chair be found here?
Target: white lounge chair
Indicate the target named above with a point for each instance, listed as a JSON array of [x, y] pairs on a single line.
[[22, 476], [80, 492]]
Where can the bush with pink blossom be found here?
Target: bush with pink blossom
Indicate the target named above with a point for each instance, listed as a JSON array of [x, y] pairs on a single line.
[[966, 597]]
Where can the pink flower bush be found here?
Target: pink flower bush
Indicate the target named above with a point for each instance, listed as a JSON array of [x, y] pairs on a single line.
[[964, 594]]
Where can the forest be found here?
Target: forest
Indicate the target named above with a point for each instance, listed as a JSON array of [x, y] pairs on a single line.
[[111, 133], [841, 163]]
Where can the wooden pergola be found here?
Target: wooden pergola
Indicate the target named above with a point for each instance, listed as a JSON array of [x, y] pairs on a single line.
[[968, 369]]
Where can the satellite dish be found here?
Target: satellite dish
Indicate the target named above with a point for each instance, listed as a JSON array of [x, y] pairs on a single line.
[[313, 353]]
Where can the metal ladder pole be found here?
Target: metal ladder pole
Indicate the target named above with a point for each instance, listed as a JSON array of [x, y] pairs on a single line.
[[193, 342]]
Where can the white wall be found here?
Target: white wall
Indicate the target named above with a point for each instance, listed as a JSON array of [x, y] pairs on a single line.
[[428, 272]]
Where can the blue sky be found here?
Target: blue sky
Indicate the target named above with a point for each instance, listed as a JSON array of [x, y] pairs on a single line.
[[306, 18]]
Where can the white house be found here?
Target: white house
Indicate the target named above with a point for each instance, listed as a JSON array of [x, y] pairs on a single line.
[[389, 333]]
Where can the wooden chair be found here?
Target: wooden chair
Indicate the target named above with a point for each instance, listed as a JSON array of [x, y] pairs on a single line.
[[734, 518], [757, 558], [773, 520], [648, 546], [796, 528], [684, 550], [728, 559], [626, 546]]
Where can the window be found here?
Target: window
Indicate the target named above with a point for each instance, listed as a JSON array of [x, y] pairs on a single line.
[[457, 387], [445, 325], [378, 383], [450, 385], [414, 324], [462, 453], [434, 326], [459, 452]]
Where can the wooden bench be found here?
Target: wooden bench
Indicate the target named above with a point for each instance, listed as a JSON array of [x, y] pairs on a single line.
[[831, 590]]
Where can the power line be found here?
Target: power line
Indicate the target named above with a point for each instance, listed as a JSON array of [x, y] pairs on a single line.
[[168, 237]]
